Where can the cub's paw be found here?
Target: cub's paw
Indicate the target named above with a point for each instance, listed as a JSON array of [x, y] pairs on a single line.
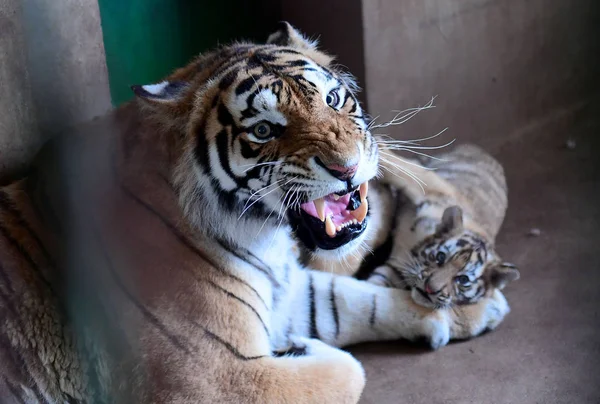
[[471, 320], [496, 309], [435, 329]]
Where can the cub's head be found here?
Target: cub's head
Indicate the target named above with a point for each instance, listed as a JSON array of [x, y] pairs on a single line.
[[267, 135], [454, 265]]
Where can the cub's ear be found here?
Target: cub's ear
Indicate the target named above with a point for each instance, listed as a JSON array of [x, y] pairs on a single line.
[[166, 92], [286, 35], [501, 273], [452, 220]]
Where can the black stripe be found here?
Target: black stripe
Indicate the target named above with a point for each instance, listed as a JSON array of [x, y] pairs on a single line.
[[227, 345], [4, 277], [246, 85], [232, 63], [223, 153], [265, 55], [461, 242], [147, 314], [245, 303], [201, 149], [295, 63], [385, 278], [261, 267], [182, 239], [248, 152], [313, 332], [334, 309], [224, 116], [373, 311], [21, 249], [381, 253], [353, 110], [346, 96], [250, 111], [9, 205], [289, 51], [291, 351], [227, 80], [42, 202]]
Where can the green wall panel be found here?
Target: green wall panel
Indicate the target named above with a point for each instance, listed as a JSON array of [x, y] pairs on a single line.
[[146, 39]]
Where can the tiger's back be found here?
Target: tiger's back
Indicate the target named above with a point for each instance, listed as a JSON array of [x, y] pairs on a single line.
[[480, 179]]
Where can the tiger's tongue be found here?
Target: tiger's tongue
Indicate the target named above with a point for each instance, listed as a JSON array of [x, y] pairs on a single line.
[[333, 210]]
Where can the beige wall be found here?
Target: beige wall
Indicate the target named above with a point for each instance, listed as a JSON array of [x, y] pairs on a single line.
[[52, 73], [337, 24], [496, 65]]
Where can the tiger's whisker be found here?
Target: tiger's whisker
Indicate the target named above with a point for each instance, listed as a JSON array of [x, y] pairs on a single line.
[[403, 170], [394, 155], [403, 116]]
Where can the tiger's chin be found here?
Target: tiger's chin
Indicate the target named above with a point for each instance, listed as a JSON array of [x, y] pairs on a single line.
[[334, 222]]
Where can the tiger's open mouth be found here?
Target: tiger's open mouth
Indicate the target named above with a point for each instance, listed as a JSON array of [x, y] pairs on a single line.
[[331, 221]]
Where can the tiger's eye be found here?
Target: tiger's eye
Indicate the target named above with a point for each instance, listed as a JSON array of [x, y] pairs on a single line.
[[463, 279], [262, 130], [332, 98], [440, 258]]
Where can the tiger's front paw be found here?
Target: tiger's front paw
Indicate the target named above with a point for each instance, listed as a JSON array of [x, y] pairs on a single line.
[[435, 329]]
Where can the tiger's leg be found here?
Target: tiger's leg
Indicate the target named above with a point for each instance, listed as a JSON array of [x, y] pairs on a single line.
[[465, 321], [322, 374], [340, 311]]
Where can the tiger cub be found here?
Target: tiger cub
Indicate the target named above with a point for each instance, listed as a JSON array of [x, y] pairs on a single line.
[[443, 248]]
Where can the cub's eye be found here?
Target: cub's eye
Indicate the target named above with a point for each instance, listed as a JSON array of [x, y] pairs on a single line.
[[463, 280], [333, 98], [440, 258], [262, 130]]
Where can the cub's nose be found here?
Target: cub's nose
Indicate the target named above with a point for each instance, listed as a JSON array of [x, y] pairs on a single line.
[[339, 171]]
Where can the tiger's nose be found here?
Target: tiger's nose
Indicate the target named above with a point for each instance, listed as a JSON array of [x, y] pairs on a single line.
[[341, 172]]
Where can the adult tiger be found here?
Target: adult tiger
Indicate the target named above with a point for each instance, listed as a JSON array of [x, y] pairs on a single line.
[[133, 297]]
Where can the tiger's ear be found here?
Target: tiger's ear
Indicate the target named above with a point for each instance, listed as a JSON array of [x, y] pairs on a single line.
[[452, 220], [166, 92], [501, 273], [286, 35]]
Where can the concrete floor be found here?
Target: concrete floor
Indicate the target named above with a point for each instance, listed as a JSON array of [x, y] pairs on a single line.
[[548, 348]]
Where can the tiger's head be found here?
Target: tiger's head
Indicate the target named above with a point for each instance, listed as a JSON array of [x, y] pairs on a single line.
[[268, 135], [454, 266]]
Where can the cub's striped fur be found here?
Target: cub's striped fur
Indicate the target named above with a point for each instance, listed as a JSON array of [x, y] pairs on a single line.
[[152, 259], [443, 247]]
